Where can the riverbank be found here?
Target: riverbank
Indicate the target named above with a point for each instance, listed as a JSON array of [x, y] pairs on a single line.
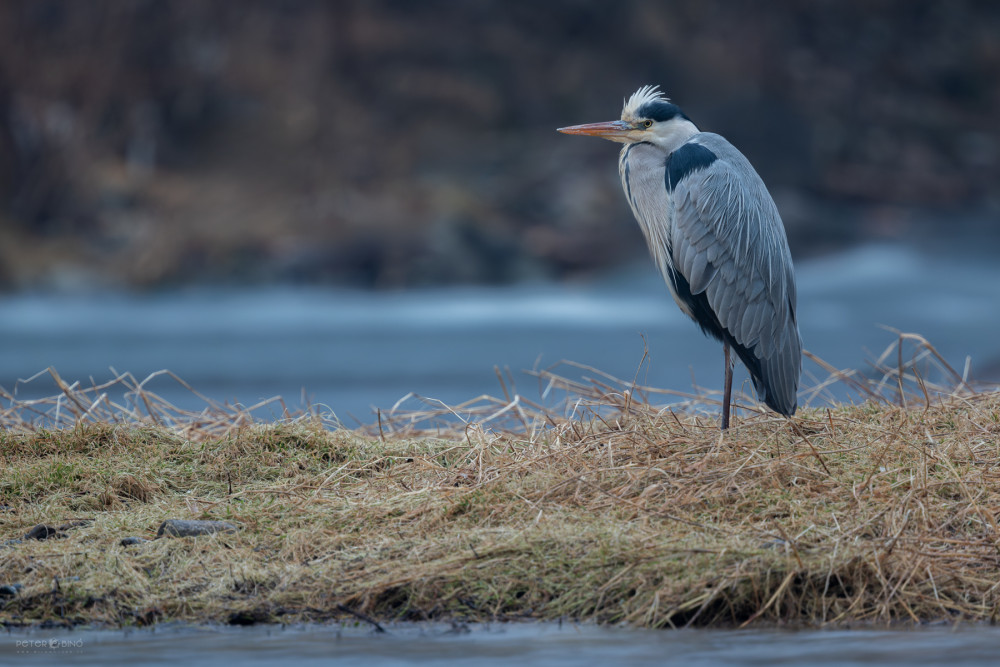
[[608, 510]]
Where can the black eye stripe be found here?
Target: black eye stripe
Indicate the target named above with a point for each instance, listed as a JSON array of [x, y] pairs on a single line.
[[659, 111]]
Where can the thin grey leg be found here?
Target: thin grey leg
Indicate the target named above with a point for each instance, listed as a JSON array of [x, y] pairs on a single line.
[[728, 390]]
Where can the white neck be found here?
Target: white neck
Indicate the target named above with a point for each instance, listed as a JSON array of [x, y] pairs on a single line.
[[672, 134]]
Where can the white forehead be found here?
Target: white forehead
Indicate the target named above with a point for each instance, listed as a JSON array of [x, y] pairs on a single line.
[[642, 96]]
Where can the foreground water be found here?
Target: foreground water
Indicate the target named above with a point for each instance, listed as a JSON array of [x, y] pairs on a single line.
[[356, 351], [543, 644]]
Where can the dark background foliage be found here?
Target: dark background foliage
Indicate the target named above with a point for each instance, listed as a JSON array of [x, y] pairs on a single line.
[[389, 143]]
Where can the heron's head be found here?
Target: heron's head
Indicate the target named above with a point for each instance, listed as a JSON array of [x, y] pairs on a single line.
[[648, 116]]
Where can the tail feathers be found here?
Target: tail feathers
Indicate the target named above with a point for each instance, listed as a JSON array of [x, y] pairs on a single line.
[[776, 379]]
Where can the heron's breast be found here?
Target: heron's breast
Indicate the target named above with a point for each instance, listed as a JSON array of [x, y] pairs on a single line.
[[642, 168]]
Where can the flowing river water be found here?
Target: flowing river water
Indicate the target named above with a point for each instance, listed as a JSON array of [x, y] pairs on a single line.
[[536, 644], [353, 351]]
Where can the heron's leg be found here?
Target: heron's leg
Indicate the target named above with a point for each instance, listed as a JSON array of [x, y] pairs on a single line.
[[727, 389]]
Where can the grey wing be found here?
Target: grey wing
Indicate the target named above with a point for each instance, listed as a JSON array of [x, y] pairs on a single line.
[[728, 242]]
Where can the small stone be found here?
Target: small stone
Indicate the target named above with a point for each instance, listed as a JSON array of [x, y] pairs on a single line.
[[184, 528], [132, 541], [42, 532], [75, 523], [776, 543], [10, 590]]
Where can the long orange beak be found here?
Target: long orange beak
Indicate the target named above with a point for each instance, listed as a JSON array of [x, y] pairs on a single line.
[[610, 130]]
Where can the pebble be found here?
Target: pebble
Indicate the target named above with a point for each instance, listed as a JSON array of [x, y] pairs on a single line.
[[184, 528], [42, 532], [132, 541], [10, 590], [776, 543]]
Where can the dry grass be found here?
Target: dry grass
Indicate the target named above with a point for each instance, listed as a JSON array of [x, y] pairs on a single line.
[[607, 509]]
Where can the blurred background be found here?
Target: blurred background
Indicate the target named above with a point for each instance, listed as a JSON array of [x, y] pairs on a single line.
[[271, 197]]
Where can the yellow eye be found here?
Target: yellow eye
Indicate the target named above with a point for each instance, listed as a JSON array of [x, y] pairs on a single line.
[[647, 124]]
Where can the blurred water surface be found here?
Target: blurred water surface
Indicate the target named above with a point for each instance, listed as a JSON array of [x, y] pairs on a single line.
[[540, 644], [354, 351]]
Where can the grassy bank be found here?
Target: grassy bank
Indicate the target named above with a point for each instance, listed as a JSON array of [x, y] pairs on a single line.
[[880, 512]]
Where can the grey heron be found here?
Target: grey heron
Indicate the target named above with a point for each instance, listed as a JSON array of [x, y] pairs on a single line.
[[716, 236]]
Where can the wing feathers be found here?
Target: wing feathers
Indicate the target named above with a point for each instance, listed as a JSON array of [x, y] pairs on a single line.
[[728, 241]]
